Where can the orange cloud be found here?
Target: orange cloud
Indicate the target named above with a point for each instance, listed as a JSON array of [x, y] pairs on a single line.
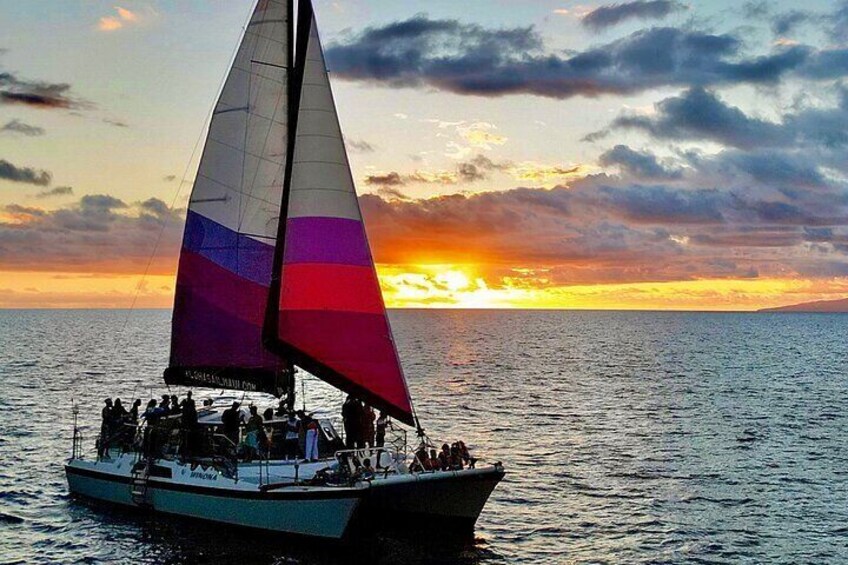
[[113, 23]]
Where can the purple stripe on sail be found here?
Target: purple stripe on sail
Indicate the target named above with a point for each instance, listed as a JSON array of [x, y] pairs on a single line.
[[326, 240], [239, 254]]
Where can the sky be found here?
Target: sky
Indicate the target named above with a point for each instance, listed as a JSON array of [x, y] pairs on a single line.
[[652, 154]]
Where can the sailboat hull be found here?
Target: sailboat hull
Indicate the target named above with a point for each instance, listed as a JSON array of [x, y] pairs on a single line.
[[307, 511], [439, 500]]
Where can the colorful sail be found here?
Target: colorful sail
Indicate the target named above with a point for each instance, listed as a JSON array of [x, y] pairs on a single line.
[[231, 228], [331, 315]]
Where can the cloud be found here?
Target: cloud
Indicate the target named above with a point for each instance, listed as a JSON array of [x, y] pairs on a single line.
[[26, 175], [114, 23], [613, 14], [643, 166], [359, 145], [20, 128], [471, 60], [35, 94], [786, 22], [98, 233], [58, 191], [388, 179], [700, 114]]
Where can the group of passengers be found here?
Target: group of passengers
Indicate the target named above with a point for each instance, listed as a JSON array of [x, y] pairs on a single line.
[[278, 439], [362, 428], [119, 425], [454, 457]]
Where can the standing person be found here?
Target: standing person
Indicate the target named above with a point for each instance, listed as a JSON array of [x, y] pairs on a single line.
[[350, 416], [165, 404], [254, 432], [134, 411], [311, 438], [189, 426], [176, 408], [382, 424], [230, 419], [105, 428], [367, 423], [292, 438], [119, 416]]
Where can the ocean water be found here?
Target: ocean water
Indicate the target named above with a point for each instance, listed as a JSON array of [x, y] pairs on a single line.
[[628, 438]]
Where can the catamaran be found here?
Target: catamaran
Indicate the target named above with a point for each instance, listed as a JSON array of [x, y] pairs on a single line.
[[275, 273]]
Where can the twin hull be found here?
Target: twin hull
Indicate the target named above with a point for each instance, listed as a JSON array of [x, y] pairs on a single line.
[[441, 498]]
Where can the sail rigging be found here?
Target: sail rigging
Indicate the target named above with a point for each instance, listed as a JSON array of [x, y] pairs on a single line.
[[227, 256]]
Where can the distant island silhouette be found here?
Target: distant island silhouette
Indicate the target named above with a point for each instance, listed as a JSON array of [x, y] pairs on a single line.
[[840, 305]]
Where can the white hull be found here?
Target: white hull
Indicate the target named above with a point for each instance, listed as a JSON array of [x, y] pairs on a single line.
[[310, 511]]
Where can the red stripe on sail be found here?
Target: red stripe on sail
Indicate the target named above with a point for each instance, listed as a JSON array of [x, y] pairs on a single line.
[[354, 345], [341, 288]]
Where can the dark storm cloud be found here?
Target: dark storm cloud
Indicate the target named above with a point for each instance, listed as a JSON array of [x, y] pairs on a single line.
[[26, 175], [20, 128], [613, 14], [469, 59], [637, 164]]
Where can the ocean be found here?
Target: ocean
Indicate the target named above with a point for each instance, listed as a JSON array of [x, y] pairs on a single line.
[[628, 437]]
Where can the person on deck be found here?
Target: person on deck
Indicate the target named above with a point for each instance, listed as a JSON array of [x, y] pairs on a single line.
[[152, 415], [189, 426], [176, 408], [311, 438], [367, 423], [165, 404], [444, 457], [119, 417], [292, 438], [255, 433], [350, 415], [230, 419], [382, 424], [367, 471], [134, 412], [105, 428]]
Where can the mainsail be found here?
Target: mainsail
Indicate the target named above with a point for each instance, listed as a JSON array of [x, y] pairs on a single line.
[[232, 221], [254, 292], [331, 318]]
